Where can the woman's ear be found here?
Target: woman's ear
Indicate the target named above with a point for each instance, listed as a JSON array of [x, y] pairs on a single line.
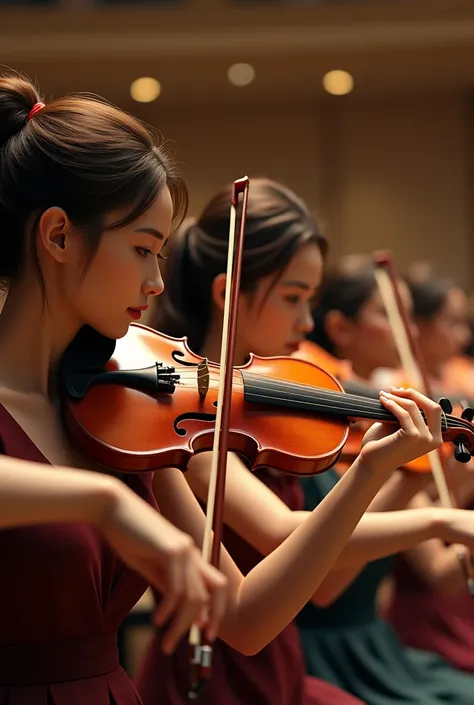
[[339, 328], [54, 232], [218, 291]]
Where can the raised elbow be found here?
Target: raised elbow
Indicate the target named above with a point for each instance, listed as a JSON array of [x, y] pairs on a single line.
[[247, 642], [324, 597], [251, 649]]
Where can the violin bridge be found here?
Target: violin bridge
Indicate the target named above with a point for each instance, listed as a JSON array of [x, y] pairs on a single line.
[[203, 378]]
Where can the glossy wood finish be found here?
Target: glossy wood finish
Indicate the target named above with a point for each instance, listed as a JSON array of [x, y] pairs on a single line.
[[132, 431]]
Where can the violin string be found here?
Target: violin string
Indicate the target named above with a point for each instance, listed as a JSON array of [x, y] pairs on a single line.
[[357, 403], [284, 385], [346, 403], [323, 393], [383, 414]]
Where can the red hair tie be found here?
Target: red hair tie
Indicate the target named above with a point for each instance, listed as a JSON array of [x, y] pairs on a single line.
[[35, 109]]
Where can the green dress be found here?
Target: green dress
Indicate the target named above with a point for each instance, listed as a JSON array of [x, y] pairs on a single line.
[[348, 645]]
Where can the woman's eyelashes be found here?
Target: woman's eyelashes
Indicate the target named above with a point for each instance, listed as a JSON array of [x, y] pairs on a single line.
[[292, 299], [146, 252]]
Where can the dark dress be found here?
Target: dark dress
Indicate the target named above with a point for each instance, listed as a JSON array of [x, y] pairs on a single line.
[[426, 620], [274, 676], [348, 645], [63, 595]]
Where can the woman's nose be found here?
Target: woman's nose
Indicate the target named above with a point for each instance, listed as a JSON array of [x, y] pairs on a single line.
[[154, 286]]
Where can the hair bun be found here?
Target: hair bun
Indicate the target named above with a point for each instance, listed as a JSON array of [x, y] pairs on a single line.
[[18, 95]]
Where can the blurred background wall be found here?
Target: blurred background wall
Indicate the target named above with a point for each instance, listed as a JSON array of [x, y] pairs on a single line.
[[390, 164]]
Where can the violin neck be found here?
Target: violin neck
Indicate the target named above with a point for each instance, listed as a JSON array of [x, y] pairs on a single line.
[[313, 400]]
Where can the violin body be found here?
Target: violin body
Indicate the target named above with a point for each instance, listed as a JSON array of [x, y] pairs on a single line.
[[316, 355], [131, 430]]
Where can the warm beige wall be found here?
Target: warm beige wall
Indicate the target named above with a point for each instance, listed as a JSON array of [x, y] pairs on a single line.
[[401, 179], [377, 173], [219, 146]]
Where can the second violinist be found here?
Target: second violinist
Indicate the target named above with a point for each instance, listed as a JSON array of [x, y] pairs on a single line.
[[283, 266]]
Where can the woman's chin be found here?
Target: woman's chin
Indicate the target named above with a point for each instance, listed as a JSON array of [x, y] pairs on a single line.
[[114, 332]]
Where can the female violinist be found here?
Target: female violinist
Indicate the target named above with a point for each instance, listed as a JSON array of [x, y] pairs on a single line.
[[441, 315], [87, 201], [442, 612], [344, 641], [281, 275]]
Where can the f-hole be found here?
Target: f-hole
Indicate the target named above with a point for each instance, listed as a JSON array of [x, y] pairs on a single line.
[[190, 416]]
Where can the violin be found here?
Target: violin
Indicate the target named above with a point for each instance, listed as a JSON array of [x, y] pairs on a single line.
[[311, 352], [147, 401]]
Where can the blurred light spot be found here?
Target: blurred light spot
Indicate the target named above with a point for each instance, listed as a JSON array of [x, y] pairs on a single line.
[[241, 74], [145, 90], [338, 82]]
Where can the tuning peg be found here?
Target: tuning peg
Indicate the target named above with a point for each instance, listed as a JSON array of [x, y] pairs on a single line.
[[446, 405], [468, 413], [461, 454]]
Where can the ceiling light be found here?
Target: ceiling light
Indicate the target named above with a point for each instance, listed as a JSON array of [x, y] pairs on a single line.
[[145, 90], [338, 82], [241, 74]]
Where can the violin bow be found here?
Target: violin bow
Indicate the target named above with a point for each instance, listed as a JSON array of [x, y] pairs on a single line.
[[414, 367], [201, 652]]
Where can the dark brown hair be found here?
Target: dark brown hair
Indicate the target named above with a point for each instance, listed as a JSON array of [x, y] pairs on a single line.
[[346, 288], [79, 153], [278, 223], [428, 290]]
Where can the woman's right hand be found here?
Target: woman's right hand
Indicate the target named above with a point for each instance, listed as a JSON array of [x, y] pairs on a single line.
[[386, 447], [193, 591]]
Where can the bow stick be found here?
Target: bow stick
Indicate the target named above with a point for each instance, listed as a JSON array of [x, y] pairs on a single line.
[[414, 367], [201, 653]]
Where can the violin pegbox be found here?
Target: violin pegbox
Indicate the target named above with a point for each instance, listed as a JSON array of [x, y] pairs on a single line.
[[458, 430], [461, 453], [445, 405], [467, 414]]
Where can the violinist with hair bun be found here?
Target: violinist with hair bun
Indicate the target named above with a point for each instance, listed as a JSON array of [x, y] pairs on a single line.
[[88, 199], [282, 271]]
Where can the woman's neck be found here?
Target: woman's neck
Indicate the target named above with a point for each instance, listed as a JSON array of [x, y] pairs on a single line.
[[360, 367], [33, 338], [361, 370], [433, 368], [211, 348]]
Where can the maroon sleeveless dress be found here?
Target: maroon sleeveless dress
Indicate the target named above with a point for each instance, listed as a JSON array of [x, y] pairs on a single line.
[[433, 622], [63, 595], [274, 676]]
